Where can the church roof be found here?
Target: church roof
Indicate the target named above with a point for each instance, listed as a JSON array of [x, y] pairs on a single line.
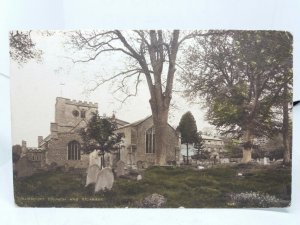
[[141, 121], [136, 122]]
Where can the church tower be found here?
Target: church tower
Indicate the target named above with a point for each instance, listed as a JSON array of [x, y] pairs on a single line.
[[70, 114]]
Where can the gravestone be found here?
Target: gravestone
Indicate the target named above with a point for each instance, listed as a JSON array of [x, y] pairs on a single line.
[[139, 177], [201, 167], [105, 180], [92, 173], [94, 158], [139, 164], [266, 161], [120, 168], [24, 167]]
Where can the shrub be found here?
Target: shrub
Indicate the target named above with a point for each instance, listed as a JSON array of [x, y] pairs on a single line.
[[255, 199]]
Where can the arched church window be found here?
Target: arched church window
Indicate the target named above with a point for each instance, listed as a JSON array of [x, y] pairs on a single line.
[[73, 150], [150, 140]]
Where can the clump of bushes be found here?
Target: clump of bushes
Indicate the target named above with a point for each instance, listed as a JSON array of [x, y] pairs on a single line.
[[255, 199]]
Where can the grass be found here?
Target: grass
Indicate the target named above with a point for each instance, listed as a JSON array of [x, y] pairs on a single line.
[[185, 187]]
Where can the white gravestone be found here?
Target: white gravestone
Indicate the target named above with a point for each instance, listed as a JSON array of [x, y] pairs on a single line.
[[139, 177], [92, 174], [105, 180], [94, 158], [266, 161]]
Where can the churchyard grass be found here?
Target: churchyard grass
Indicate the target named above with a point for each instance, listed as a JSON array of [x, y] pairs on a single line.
[[186, 187]]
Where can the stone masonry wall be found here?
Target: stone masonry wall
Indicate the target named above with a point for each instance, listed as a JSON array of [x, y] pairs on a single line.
[[141, 154], [64, 116], [58, 151]]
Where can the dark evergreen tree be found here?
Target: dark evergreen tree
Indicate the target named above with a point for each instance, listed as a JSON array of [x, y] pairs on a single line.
[[188, 129], [16, 153]]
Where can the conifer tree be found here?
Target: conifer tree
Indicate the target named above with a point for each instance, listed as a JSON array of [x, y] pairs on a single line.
[[188, 129]]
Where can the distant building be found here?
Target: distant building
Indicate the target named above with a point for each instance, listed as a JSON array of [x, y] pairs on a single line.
[[139, 143], [31, 160], [213, 144]]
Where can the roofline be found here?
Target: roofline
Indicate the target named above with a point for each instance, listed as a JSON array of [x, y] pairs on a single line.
[[141, 121], [134, 124]]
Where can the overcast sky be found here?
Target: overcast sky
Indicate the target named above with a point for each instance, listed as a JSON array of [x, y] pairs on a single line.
[[35, 86]]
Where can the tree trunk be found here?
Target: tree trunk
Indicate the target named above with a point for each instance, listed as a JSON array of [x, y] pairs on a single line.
[[160, 121], [187, 153], [285, 128], [247, 147]]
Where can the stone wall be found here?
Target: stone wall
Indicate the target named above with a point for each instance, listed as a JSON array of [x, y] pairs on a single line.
[[134, 149], [172, 140], [68, 113], [57, 151]]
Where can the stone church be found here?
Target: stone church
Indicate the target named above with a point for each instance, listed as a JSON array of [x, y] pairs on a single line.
[[63, 146], [138, 149]]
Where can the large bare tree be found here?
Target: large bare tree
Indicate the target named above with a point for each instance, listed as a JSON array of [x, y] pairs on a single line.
[[152, 54]]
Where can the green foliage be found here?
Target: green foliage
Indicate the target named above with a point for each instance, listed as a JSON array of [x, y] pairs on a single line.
[[99, 134], [233, 150], [200, 153], [241, 75], [188, 129], [253, 199]]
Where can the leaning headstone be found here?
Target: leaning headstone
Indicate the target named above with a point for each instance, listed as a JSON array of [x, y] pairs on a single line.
[[139, 177], [92, 174], [105, 180], [120, 168]]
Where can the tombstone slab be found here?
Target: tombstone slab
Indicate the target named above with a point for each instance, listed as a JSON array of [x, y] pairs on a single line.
[[105, 180], [120, 168], [24, 167], [92, 173], [139, 177]]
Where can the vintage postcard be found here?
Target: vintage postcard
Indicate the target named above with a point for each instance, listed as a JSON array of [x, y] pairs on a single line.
[[151, 118]]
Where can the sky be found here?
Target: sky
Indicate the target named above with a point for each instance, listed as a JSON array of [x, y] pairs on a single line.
[[35, 86]]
